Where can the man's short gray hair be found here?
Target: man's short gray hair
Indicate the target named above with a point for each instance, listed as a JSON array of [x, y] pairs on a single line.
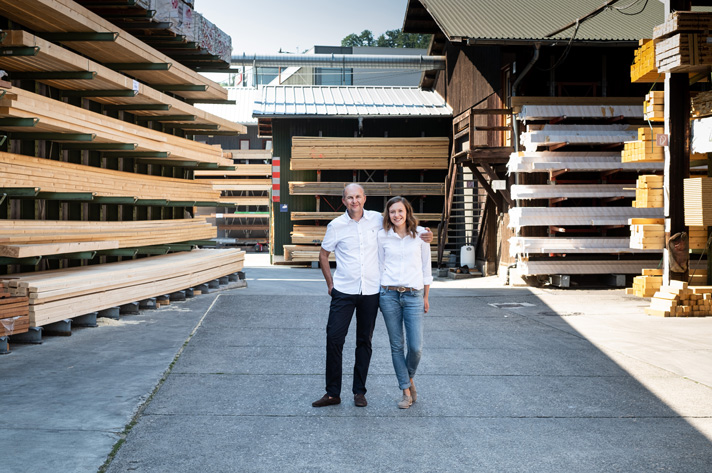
[[353, 184]]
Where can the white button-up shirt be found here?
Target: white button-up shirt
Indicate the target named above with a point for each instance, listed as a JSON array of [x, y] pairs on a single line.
[[404, 261], [355, 246]]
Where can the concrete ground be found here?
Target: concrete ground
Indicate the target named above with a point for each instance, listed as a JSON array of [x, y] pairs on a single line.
[[512, 379]]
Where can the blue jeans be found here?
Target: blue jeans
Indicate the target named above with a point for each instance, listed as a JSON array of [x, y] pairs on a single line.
[[404, 309]]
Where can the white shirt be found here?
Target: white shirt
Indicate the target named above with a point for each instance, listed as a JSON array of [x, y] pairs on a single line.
[[404, 261], [355, 246]]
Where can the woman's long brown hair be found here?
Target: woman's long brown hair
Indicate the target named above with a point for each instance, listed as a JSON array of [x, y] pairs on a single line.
[[411, 223]]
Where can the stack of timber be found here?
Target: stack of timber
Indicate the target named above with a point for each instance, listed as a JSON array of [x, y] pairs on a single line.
[[14, 312], [102, 84], [682, 42], [543, 267], [297, 216], [124, 53], [547, 136], [678, 299], [528, 108], [647, 233], [371, 188], [309, 254], [561, 245], [698, 201], [53, 116], [594, 161], [649, 191], [28, 238], [61, 294], [697, 238], [643, 68], [241, 170], [45, 175], [578, 216], [702, 104], [654, 107], [645, 148], [314, 234], [313, 153], [647, 284], [564, 191]]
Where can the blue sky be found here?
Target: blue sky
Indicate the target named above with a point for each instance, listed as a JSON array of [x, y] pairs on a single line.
[[265, 26]]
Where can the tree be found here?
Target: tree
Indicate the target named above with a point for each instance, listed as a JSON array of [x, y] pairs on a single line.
[[363, 39], [389, 39]]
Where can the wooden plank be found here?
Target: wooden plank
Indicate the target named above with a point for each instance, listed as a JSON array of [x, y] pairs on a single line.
[[370, 188]]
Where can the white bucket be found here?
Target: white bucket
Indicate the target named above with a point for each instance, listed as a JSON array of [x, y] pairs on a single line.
[[467, 256]]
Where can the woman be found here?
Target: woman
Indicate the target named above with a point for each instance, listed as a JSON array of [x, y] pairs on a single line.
[[406, 275]]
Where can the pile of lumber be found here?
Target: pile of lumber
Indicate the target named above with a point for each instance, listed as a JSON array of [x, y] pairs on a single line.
[[654, 108], [66, 16], [238, 184], [313, 153], [647, 233], [698, 201], [647, 284], [241, 170], [554, 135], [370, 188], [681, 42], [308, 254], [66, 293], [422, 217], [544, 161], [27, 238], [243, 200], [314, 234], [14, 313], [565, 191], [702, 104], [54, 116], [678, 299], [643, 68], [18, 171], [568, 245], [577, 216], [50, 57], [645, 149], [697, 238], [649, 191]]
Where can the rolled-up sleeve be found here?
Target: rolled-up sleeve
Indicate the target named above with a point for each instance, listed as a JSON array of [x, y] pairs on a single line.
[[427, 263]]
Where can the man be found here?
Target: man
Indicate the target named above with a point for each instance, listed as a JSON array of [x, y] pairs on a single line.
[[355, 286]]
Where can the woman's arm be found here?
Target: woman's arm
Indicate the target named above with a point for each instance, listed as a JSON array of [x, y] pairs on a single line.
[[426, 303]]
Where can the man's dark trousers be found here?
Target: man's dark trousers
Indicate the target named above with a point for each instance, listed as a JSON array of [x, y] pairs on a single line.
[[340, 314]]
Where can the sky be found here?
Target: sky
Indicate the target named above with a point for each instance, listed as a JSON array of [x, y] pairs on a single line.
[[265, 26]]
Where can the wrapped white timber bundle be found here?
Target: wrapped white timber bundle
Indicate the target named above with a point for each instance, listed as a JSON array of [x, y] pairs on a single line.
[[577, 216], [65, 293], [211, 38], [178, 14]]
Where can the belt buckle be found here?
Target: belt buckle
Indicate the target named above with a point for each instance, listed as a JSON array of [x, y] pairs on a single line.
[[401, 289]]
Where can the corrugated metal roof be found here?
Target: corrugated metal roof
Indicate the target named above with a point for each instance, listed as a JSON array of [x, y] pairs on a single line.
[[241, 112], [534, 19], [349, 101]]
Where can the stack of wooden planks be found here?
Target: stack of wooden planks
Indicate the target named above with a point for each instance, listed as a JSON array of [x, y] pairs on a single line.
[[697, 238], [678, 299], [241, 170], [295, 216], [50, 57], [308, 254], [54, 116], [243, 200], [698, 201], [370, 188], [654, 109], [702, 104], [314, 234], [14, 312], [18, 171], [313, 153], [67, 16], [682, 42], [61, 294], [27, 238], [647, 233], [647, 284], [645, 148], [643, 68], [649, 191]]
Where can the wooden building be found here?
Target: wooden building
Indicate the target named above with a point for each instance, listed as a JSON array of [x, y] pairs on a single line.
[[503, 55]]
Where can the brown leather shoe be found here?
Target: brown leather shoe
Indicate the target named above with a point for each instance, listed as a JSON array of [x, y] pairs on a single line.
[[326, 400], [360, 400]]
